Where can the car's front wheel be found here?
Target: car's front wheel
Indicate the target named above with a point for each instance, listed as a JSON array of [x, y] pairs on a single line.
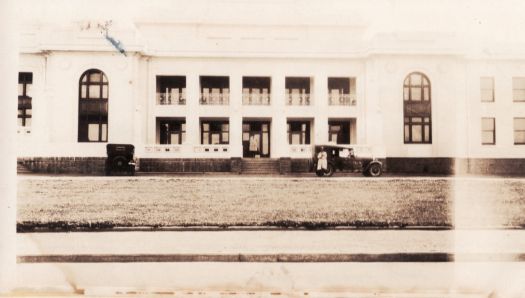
[[374, 170]]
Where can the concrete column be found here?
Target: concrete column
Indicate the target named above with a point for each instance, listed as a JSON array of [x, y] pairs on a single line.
[[193, 135], [8, 124], [278, 130], [320, 94], [236, 115]]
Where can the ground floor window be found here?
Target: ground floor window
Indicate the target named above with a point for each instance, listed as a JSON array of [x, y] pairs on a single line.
[[215, 132], [417, 130], [298, 132], [339, 132], [25, 111], [488, 131], [93, 128], [519, 131], [172, 131]]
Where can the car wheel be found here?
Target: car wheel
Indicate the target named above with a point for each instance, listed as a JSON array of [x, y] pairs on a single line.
[[329, 170], [319, 173], [374, 170]]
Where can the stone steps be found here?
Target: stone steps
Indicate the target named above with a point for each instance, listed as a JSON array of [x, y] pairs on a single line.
[[260, 166], [21, 169]]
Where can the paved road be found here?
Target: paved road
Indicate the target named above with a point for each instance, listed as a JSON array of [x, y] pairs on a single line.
[[472, 275]]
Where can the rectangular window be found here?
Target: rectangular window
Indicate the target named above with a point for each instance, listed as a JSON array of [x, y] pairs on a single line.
[[299, 132], [341, 91], [519, 131], [339, 132], [25, 105], [256, 90], [487, 89], [417, 130], [171, 90], [488, 131], [298, 91], [171, 131], [215, 132], [215, 90], [518, 89]]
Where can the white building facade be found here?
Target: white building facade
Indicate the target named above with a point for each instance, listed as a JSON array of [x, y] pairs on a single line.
[[207, 95]]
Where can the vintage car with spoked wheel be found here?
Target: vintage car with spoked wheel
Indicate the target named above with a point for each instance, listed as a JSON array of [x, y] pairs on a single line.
[[329, 158]]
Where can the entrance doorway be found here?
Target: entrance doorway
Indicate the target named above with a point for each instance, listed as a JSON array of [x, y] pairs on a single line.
[[256, 139]]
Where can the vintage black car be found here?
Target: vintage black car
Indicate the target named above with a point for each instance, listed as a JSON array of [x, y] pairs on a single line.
[[120, 160], [345, 158]]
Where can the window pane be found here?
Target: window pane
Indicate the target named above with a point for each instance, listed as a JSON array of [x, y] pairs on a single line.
[[487, 137], [487, 95], [487, 123], [104, 133], [29, 112], [416, 119], [519, 123], [427, 133], [417, 133], [225, 127], [20, 122], [94, 91], [175, 138], [28, 89], [205, 138], [104, 91], [519, 137], [333, 137], [92, 132], [205, 126], [296, 138], [415, 80], [83, 91], [225, 137], [415, 92], [519, 95], [183, 139], [20, 89], [95, 77], [518, 83], [426, 93], [28, 122], [246, 136], [407, 133], [215, 138]]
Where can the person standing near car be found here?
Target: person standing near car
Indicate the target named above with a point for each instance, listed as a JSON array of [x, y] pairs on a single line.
[[322, 160]]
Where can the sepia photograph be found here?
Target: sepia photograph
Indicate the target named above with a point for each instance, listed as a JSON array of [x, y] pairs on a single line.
[[262, 148]]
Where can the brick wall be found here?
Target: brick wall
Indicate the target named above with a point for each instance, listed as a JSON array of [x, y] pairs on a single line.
[[185, 165], [65, 165], [436, 166]]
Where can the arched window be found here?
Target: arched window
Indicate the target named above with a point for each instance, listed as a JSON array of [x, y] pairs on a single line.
[[93, 107], [417, 109]]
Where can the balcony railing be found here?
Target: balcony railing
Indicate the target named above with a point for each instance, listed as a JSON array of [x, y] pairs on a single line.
[[297, 98], [172, 98], [342, 99], [255, 98], [215, 97]]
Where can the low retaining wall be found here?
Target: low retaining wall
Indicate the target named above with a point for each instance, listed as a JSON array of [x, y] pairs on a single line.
[[398, 165], [186, 165], [64, 165]]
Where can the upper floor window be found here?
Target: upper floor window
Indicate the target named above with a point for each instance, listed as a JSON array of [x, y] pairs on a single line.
[[487, 89], [298, 132], [298, 90], [256, 90], [417, 109], [341, 91], [488, 131], [518, 89], [93, 107], [171, 90], [214, 132], [215, 90], [519, 131], [25, 108]]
